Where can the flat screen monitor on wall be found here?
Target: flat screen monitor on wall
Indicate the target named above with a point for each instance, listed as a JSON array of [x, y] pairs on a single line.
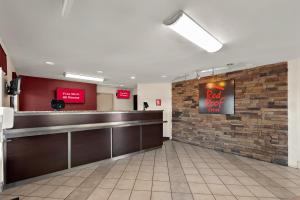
[[217, 97]]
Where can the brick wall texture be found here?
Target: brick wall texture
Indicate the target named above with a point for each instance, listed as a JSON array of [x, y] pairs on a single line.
[[259, 127]]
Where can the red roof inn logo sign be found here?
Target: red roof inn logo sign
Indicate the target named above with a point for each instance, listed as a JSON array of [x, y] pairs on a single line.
[[217, 97], [70, 95]]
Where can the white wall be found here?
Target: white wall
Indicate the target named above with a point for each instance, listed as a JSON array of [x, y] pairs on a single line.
[[149, 93], [294, 113], [119, 104]]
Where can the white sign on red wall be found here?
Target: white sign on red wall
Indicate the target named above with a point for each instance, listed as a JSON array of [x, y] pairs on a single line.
[[123, 94], [70, 95]]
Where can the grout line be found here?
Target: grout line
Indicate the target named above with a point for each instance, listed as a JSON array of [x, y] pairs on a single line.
[[137, 175], [182, 169]]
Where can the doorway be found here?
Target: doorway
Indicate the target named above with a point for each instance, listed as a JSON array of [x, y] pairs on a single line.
[[105, 102]]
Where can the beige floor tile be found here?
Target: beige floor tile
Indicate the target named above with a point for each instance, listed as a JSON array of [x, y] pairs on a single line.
[[145, 176], [114, 175], [61, 192], [43, 181], [280, 192], [9, 197], [221, 172], [203, 197], [161, 196], [295, 190], [222, 197], [247, 181], [212, 179], [239, 190], [178, 178], [180, 187], [72, 173], [85, 173], [190, 170], [194, 178], [237, 173], [129, 175], [80, 194], [100, 194], [140, 195], [125, 184], [198, 188], [90, 182], [161, 169], [28, 198], [182, 196], [147, 169], [108, 183], [161, 177], [247, 198], [25, 190], [74, 181], [120, 194], [217, 189], [143, 185], [161, 186], [43, 191], [58, 180], [229, 180], [207, 172], [260, 191]]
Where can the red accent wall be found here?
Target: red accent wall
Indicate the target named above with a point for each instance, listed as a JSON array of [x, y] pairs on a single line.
[[37, 93], [3, 61]]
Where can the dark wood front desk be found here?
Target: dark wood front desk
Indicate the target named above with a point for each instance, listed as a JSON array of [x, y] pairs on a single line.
[[45, 142]]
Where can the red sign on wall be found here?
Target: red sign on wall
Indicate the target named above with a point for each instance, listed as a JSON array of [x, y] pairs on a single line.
[[158, 102], [70, 95], [217, 97], [123, 94]]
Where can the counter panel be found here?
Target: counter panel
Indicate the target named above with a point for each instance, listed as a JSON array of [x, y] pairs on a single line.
[[125, 140], [152, 136], [90, 146], [34, 156]]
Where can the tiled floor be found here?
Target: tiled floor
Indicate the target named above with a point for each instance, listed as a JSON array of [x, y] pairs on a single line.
[[178, 171]]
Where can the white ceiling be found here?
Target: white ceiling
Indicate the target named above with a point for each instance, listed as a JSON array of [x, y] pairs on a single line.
[[126, 37]]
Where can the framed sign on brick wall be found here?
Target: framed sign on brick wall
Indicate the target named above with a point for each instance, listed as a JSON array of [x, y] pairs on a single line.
[[217, 97]]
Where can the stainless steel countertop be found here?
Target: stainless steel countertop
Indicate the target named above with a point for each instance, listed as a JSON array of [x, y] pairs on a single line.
[[28, 113], [25, 132]]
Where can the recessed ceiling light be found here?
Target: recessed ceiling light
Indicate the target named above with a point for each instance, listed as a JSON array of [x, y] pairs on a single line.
[[187, 27], [100, 72], [49, 63], [132, 77], [82, 77], [164, 76]]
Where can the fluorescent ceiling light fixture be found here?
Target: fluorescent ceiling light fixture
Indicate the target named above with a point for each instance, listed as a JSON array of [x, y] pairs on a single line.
[[49, 63], [82, 77], [133, 77], [185, 26], [100, 72], [214, 69], [207, 70], [121, 85], [164, 76]]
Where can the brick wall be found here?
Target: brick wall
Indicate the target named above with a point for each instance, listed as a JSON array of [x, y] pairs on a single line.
[[259, 128]]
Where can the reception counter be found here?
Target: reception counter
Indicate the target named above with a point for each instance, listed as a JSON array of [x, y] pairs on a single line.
[[46, 142]]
